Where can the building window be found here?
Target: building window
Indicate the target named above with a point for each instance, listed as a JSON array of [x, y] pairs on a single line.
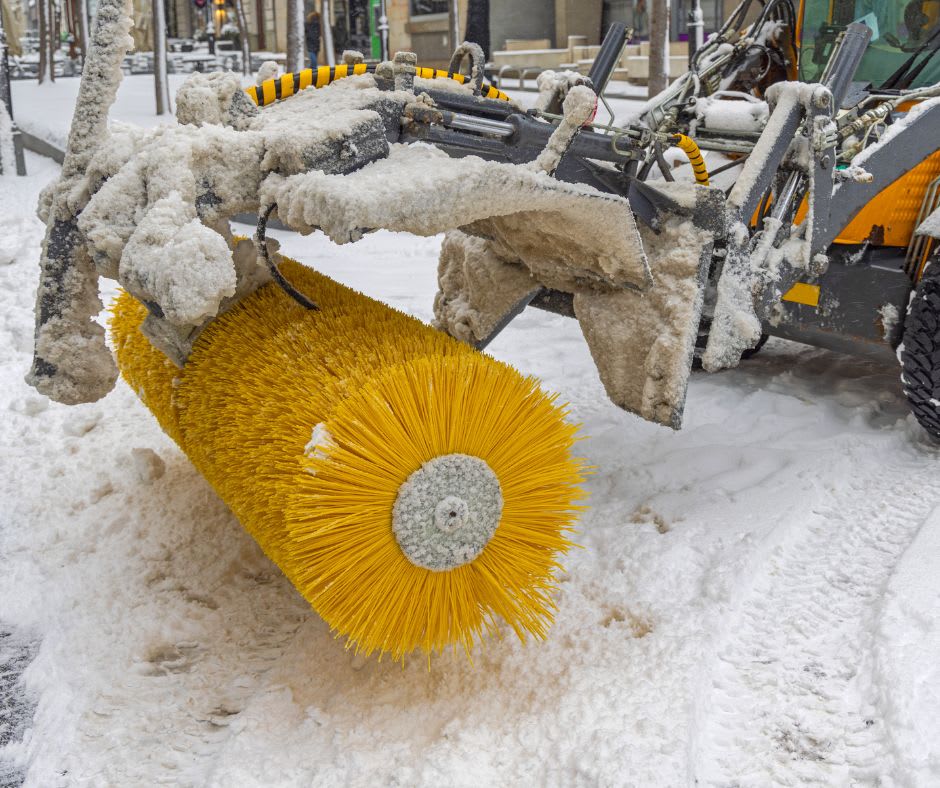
[[425, 7]]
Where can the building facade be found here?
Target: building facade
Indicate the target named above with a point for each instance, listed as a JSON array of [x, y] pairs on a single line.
[[420, 26]]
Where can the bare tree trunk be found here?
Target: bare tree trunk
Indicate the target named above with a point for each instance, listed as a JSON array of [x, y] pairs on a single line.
[[84, 28], [47, 40], [326, 26], [43, 35], [52, 38], [259, 16], [296, 58], [160, 79], [242, 22], [659, 46]]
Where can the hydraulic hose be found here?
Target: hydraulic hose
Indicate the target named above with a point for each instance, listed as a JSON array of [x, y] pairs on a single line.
[[287, 85], [691, 150]]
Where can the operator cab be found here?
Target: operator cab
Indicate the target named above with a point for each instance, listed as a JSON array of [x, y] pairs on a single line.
[[902, 54]]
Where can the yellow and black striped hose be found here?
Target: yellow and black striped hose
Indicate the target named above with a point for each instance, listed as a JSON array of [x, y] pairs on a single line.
[[687, 145], [285, 86]]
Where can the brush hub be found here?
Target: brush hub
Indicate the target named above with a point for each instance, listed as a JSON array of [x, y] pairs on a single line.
[[447, 511], [450, 514]]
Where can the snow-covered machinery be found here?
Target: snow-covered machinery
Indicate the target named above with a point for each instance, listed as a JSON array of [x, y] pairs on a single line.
[[823, 230]]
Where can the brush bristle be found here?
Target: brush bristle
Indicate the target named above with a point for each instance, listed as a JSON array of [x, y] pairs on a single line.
[[392, 394]]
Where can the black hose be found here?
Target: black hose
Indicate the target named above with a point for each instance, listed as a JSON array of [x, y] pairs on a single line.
[[664, 168], [645, 170], [727, 166], [262, 246]]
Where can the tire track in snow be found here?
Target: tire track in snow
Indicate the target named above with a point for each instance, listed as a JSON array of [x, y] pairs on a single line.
[[16, 652], [791, 697]]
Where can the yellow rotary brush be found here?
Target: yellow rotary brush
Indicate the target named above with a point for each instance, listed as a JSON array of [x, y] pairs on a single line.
[[414, 491]]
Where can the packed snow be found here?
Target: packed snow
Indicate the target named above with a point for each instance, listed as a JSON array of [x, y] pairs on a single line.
[[930, 225], [756, 603], [729, 110]]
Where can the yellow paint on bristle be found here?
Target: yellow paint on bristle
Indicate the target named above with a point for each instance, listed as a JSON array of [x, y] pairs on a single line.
[[393, 394]]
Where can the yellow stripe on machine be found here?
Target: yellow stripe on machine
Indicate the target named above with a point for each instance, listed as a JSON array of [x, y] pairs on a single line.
[[803, 293], [688, 146], [268, 94], [288, 85]]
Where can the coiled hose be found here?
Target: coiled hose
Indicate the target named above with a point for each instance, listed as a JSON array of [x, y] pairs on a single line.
[[691, 150], [287, 85]]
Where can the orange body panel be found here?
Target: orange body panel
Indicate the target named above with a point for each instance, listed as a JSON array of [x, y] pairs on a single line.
[[894, 208]]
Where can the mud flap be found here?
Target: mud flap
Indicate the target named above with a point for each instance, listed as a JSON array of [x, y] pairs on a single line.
[[642, 343]]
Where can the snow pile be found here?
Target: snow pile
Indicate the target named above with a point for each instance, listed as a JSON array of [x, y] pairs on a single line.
[[930, 225], [325, 128], [579, 107], [174, 260], [269, 70], [732, 111], [158, 200], [477, 288], [553, 88], [216, 98], [319, 444]]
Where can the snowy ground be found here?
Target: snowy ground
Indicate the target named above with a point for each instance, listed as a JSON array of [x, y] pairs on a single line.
[[757, 602]]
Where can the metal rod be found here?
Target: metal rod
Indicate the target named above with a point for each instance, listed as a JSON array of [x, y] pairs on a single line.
[[453, 23], [696, 30], [383, 31], [456, 120], [327, 21], [609, 55]]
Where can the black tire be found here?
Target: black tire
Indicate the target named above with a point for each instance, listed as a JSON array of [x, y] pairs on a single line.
[[920, 353]]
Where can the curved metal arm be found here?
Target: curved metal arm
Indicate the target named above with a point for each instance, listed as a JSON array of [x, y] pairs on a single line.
[[262, 246], [477, 63]]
